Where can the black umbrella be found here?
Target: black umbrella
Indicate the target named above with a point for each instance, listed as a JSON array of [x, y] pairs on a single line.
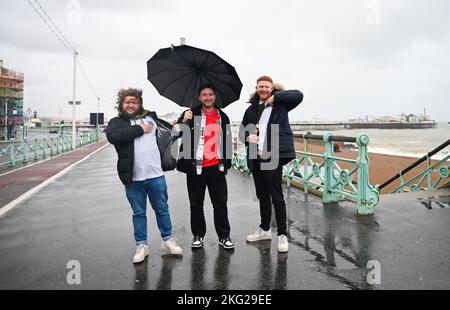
[[177, 73]]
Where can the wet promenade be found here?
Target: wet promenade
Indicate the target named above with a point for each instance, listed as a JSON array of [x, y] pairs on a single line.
[[84, 216]]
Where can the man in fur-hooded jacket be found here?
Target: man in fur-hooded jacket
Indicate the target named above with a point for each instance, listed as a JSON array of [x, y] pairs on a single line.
[[266, 131]]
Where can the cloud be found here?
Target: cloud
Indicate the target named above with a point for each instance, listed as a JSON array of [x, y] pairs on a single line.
[[345, 66]]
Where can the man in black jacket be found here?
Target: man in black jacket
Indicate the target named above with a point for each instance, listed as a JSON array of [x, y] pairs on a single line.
[[205, 158], [265, 129], [133, 134]]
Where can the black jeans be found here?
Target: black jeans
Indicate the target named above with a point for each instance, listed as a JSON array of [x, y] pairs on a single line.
[[268, 190], [214, 179]]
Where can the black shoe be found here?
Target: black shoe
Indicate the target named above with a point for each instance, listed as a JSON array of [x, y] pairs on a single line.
[[197, 242], [226, 243]]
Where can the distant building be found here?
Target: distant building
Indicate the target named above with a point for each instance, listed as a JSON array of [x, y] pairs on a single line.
[[416, 118], [357, 120], [388, 119], [412, 118], [35, 122], [11, 100]]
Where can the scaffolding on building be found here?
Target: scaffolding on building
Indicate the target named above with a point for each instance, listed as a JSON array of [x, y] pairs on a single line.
[[11, 101]]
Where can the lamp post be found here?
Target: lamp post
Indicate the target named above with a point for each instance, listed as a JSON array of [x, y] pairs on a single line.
[[96, 122], [6, 119], [75, 54], [27, 122], [13, 126]]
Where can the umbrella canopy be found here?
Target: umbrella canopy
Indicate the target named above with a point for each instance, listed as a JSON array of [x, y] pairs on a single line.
[[177, 73]]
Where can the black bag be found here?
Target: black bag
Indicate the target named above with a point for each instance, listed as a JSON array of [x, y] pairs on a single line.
[[165, 141]]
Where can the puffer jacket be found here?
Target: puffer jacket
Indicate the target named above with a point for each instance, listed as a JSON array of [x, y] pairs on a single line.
[[121, 134], [285, 101]]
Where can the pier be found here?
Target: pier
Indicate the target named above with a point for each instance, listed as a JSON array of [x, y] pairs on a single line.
[[335, 126]]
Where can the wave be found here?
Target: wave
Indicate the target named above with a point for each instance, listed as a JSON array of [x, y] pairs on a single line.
[[410, 153]]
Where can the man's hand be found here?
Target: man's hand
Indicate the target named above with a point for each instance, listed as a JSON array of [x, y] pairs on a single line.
[[148, 128], [270, 101], [187, 116], [252, 139]]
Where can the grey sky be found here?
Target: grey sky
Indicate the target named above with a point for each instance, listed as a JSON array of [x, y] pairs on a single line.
[[346, 63]]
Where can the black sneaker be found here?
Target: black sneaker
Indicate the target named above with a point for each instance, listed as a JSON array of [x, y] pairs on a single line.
[[197, 242], [226, 243]]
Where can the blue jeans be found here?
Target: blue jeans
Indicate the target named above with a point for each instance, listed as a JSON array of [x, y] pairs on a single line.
[[156, 190]]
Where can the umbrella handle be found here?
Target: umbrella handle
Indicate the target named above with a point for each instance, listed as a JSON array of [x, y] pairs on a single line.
[[188, 111]]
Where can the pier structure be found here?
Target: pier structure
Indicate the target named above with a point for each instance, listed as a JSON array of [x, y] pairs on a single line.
[[300, 127]]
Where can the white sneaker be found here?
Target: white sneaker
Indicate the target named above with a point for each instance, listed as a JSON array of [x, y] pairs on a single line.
[[282, 244], [260, 234], [141, 253], [171, 247], [197, 242], [226, 243]]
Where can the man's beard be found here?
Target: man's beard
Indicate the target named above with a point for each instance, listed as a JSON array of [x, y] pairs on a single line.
[[205, 105], [265, 98], [132, 115]]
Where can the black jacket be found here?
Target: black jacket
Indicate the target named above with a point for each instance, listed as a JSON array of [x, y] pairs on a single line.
[[121, 134], [285, 101], [188, 165]]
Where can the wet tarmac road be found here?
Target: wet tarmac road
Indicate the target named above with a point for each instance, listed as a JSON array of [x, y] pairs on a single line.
[[84, 216]]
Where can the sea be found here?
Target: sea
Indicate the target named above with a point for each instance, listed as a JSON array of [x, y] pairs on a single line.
[[404, 142]]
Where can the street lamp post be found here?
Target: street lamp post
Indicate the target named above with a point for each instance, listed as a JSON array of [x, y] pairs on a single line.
[[98, 111], [13, 127], [75, 54], [6, 119]]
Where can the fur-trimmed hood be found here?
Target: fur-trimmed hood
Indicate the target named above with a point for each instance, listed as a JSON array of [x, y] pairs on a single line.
[[254, 97]]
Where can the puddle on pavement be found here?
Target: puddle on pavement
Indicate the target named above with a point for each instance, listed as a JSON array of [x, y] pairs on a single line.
[[436, 202]]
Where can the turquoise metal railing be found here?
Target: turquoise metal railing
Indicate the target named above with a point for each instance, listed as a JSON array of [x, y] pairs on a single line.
[[26, 150], [336, 183], [239, 160], [434, 176]]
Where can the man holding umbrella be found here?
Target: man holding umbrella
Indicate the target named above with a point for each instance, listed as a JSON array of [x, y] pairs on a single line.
[[265, 129], [202, 81], [206, 161]]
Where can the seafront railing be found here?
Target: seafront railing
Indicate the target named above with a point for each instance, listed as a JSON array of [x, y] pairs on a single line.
[[435, 175], [26, 150], [312, 171]]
